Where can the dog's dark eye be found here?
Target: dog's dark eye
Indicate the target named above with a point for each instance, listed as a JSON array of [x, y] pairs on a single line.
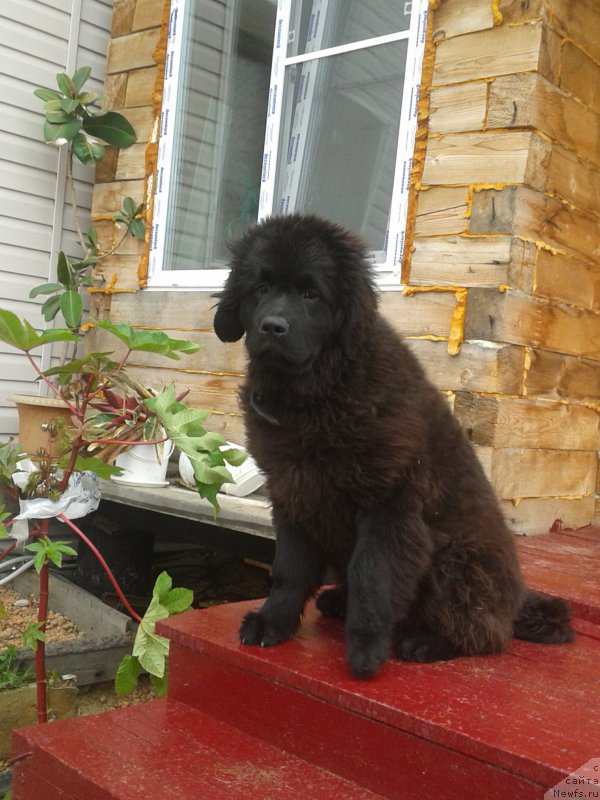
[[309, 294], [262, 288]]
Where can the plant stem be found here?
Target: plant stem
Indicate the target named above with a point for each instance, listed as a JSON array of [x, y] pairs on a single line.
[[40, 648], [71, 183], [120, 441], [9, 549], [104, 565], [52, 386]]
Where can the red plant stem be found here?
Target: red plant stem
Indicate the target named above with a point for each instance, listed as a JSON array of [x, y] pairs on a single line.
[[75, 446], [105, 566], [52, 386], [40, 647], [120, 441], [10, 547]]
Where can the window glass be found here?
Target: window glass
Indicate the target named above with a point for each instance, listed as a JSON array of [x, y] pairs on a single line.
[[220, 126], [318, 24], [339, 138]]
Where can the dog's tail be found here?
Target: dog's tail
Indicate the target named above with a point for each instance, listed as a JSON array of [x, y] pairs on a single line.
[[543, 619]]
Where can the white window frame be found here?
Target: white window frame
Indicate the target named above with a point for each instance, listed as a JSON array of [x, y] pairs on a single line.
[[386, 265]]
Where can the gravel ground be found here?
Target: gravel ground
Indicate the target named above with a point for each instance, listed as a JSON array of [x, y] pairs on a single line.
[[22, 610]]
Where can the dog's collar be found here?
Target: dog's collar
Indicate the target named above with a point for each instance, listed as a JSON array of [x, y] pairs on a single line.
[[255, 402]]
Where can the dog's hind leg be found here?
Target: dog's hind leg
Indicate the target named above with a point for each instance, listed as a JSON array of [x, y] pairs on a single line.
[[414, 641], [543, 619]]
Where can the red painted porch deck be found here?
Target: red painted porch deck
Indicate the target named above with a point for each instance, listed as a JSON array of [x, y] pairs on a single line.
[[289, 722]]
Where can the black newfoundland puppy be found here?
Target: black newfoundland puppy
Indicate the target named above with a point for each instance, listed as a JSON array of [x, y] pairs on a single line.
[[368, 471]]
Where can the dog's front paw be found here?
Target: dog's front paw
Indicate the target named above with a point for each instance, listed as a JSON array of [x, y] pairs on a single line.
[[366, 653], [256, 629]]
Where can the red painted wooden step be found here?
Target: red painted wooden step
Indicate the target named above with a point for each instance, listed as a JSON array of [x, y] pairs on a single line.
[[284, 721], [162, 749]]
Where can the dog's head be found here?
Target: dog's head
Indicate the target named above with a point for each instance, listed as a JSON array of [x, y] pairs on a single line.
[[298, 284]]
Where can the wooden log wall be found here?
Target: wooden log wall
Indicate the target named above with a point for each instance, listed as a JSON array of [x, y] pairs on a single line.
[[502, 303]]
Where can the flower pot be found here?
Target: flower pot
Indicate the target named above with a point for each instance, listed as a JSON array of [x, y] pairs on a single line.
[[41, 422], [18, 708], [141, 465]]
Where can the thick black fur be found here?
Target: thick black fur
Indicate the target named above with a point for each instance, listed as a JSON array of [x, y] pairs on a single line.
[[368, 471]]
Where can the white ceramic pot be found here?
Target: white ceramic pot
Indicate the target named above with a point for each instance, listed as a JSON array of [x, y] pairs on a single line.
[[141, 465], [248, 478]]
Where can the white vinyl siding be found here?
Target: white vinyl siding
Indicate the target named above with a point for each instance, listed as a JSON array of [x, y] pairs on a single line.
[[38, 38]]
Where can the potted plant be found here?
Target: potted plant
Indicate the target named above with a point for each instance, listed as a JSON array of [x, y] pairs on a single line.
[[100, 411]]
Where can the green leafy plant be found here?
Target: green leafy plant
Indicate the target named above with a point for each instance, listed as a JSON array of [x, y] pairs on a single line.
[[72, 120], [109, 410], [150, 650], [11, 675]]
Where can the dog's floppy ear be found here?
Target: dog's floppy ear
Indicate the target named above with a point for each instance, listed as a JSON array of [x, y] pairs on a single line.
[[227, 323]]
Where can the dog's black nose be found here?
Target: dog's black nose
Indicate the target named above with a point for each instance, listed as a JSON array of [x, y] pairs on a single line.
[[275, 326]]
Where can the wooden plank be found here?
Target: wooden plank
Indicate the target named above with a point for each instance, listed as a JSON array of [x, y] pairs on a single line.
[[525, 212], [131, 164], [132, 51], [539, 473], [108, 197], [573, 179], [513, 422], [422, 314], [122, 17], [210, 391], [117, 273], [148, 14], [485, 54], [567, 278], [168, 310], [554, 375], [90, 615], [441, 210], [515, 13], [516, 318], [140, 85], [115, 91], [461, 261], [580, 76], [458, 108], [142, 119], [478, 367], [529, 100], [477, 158], [456, 17], [533, 516], [250, 514], [580, 22], [109, 234]]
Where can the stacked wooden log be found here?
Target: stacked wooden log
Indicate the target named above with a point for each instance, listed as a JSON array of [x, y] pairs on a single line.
[[507, 208], [502, 269]]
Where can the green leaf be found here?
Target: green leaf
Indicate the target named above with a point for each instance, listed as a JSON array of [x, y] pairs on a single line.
[[65, 84], [80, 76], [61, 133], [50, 308], [3, 611], [88, 464], [58, 117], [47, 94], [137, 229], [32, 635], [112, 128], [129, 206], [178, 600], [71, 306], [44, 288], [234, 456], [69, 105], [87, 98], [87, 152], [63, 272], [159, 684], [162, 585], [20, 334], [127, 674], [148, 341]]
